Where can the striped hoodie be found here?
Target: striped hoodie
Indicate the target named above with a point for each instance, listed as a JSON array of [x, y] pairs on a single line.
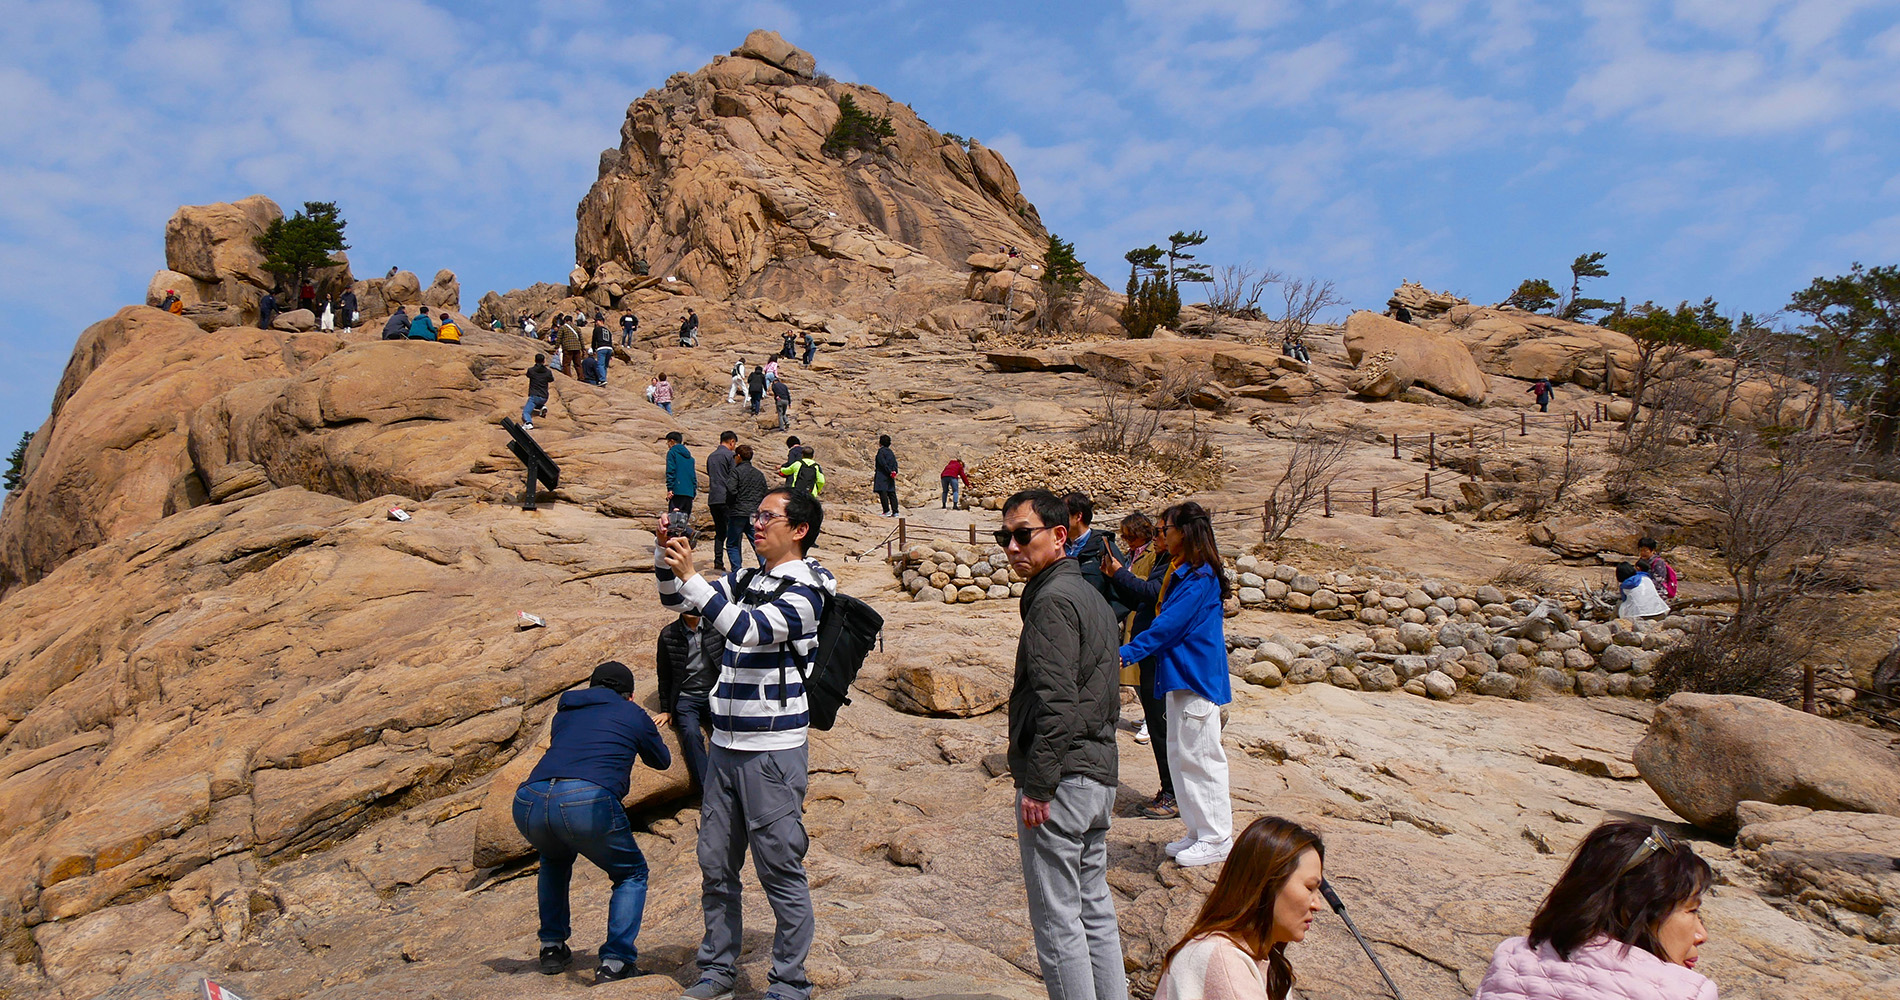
[[759, 700]]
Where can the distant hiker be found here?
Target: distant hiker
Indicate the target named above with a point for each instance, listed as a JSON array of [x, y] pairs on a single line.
[[805, 475], [449, 332], [398, 326], [1640, 599], [266, 310], [422, 327], [570, 807], [771, 371], [736, 390], [307, 296], [663, 393], [782, 398], [794, 450], [786, 350], [347, 314], [681, 482], [755, 388], [689, 329], [628, 323], [718, 480], [1401, 313], [811, 349], [392, 272], [572, 347], [326, 320], [687, 666], [1660, 572], [1541, 389], [884, 477], [540, 384], [744, 489], [954, 479], [528, 329], [171, 303], [603, 349], [1293, 345]]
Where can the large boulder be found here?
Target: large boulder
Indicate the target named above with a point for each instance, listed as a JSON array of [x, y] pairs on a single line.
[[215, 242], [956, 684], [182, 285], [768, 46], [1581, 536], [1438, 362], [402, 289], [444, 292], [1705, 753]]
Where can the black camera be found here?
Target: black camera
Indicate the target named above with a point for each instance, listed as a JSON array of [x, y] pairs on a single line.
[[679, 524]]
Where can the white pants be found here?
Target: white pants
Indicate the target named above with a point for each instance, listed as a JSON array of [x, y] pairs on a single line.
[[736, 390], [1200, 767]]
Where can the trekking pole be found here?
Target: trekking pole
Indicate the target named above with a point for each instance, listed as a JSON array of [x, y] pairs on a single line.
[[1339, 907]]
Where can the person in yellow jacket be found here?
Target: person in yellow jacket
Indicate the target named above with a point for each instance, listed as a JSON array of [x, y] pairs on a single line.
[[805, 474], [448, 332]]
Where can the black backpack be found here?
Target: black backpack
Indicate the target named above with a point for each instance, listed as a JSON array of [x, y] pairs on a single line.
[[847, 630]]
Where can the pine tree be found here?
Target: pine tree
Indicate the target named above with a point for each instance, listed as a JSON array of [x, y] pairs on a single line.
[[296, 246], [857, 129], [16, 463]]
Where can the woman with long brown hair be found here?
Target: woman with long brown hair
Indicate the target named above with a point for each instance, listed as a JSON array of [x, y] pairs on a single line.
[[1264, 900]]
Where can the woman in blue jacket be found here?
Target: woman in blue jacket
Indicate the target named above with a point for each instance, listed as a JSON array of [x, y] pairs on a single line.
[[1189, 643]]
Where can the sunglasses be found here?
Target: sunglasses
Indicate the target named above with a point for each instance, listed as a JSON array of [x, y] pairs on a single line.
[[1656, 841], [1021, 536]]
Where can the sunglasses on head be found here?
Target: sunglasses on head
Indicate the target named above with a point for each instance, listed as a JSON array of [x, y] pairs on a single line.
[[1020, 536], [1656, 841]]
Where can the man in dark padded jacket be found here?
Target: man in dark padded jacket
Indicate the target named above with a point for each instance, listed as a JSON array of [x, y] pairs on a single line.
[[688, 666], [1062, 712], [570, 806]]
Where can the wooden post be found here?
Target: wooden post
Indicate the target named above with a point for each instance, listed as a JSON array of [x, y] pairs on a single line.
[[1521, 422], [1428, 485], [1395, 446], [972, 534], [1431, 451], [1375, 501], [901, 543], [1326, 500], [1807, 688], [1471, 438]]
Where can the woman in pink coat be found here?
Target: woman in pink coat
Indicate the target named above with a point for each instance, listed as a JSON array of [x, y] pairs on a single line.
[[1620, 924]]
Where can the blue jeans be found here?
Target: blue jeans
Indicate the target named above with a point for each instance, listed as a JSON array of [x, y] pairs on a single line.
[[527, 409], [668, 407], [566, 817], [740, 526], [603, 355], [952, 492], [692, 720]]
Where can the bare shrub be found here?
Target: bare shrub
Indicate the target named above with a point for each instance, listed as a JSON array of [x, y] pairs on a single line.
[[1122, 425], [1758, 654], [1237, 289], [1551, 480], [1303, 299], [1529, 578], [1130, 422], [1652, 450], [1319, 457]]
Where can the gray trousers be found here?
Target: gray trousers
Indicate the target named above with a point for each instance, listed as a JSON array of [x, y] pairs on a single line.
[[1065, 868], [755, 798]]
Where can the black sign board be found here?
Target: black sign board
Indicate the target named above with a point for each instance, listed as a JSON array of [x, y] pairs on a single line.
[[541, 468]]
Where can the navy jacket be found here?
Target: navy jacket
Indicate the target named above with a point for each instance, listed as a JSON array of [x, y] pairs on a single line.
[[597, 733]]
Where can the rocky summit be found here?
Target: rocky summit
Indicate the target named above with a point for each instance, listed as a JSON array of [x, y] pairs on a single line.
[[267, 687]]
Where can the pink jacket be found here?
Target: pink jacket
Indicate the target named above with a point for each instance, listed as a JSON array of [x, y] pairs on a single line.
[[1600, 970]]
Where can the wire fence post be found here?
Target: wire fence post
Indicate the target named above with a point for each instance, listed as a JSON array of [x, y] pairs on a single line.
[[1428, 485], [1522, 421], [1395, 446], [1807, 688], [1326, 501], [901, 543], [1375, 501], [1431, 451]]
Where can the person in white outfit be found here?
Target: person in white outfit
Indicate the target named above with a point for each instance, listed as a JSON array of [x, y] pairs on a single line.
[[1188, 640], [1265, 899], [736, 391], [1640, 598]]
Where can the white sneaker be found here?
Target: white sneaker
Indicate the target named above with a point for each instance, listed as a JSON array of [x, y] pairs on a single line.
[[1176, 847], [528, 426], [1203, 853], [1141, 734]]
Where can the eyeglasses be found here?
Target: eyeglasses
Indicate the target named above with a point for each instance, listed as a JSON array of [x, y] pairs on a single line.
[[1020, 536], [766, 517], [1656, 841]]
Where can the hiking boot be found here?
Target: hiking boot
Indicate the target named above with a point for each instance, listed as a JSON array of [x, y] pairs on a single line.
[[1177, 846], [708, 989], [612, 970], [554, 959], [1141, 734], [1162, 806], [1204, 853]]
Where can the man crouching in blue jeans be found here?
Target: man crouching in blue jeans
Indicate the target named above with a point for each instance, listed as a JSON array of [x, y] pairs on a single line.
[[570, 805], [754, 786]]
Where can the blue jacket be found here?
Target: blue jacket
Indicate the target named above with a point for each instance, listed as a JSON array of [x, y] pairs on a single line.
[[597, 733], [1187, 639], [421, 328], [680, 480], [1139, 595]]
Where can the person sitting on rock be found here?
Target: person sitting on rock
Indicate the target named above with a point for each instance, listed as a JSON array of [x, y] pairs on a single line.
[[540, 385], [1660, 572], [171, 303], [687, 665], [1639, 596], [1622, 923], [422, 327], [1264, 900], [570, 807], [398, 326], [449, 332]]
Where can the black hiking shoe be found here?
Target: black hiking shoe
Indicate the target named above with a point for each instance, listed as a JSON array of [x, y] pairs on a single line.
[[613, 970], [554, 959]]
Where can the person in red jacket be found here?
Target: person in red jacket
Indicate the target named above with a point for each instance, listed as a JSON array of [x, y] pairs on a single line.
[[953, 475]]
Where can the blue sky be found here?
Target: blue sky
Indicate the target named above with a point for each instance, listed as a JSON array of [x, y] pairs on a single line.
[[1733, 148]]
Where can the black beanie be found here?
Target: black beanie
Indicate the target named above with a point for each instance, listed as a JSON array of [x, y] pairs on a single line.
[[614, 676]]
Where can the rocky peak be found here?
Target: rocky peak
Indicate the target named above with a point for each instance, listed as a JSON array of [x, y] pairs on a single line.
[[719, 181]]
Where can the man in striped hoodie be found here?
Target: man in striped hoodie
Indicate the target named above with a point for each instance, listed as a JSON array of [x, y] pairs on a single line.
[[754, 788]]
